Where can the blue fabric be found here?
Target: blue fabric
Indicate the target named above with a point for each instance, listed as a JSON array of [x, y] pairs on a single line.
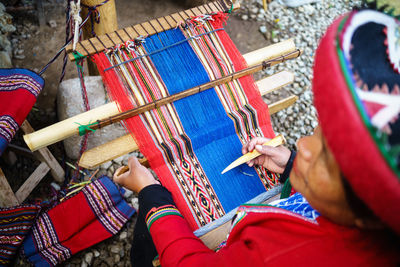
[[204, 118], [298, 204]]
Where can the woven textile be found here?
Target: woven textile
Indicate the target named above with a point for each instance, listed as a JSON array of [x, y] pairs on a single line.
[[188, 143], [15, 224], [94, 214], [19, 89]]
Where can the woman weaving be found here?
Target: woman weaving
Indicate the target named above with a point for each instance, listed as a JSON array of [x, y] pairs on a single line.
[[346, 174]]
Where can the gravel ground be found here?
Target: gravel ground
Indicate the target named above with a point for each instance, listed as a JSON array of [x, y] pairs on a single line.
[[305, 24]]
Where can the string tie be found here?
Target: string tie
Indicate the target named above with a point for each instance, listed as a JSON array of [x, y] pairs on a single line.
[[82, 129], [75, 10], [94, 14]]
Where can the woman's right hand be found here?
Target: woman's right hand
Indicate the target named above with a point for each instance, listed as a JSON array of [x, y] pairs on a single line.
[[271, 158]]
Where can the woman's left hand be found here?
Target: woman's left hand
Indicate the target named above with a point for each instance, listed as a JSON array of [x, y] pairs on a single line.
[[137, 178]]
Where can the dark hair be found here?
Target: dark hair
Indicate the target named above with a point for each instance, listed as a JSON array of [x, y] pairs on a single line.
[[357, 206]]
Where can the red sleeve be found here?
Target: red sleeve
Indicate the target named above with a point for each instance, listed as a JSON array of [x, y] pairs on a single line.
[[178, 246]]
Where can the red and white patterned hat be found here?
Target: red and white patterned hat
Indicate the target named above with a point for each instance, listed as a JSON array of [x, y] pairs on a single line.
[[357, 95]]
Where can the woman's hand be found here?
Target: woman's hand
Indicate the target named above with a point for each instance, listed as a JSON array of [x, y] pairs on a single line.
[[137, 178], [271, 158]]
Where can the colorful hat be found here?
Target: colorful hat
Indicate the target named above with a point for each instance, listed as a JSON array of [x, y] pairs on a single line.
[[357, 95]]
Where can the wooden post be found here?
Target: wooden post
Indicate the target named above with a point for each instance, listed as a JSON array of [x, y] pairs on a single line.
[[108, 23]]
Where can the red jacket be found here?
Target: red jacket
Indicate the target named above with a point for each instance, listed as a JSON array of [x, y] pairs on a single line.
[[273, 237]]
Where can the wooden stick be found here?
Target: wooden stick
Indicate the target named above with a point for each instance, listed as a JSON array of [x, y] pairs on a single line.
[[69, 127], [44, 155], [276, 141], [282, 104], [32, 181], [172, 98], [125, 144]]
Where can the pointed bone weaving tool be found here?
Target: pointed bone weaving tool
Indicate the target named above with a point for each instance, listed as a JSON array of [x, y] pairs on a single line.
[[276, 141]]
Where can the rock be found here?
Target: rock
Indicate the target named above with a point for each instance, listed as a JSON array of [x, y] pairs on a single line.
[[245, 17], [70, 103], [52, 23], [110, 261], [84, 264], [89, 258], [115, 249], [117, 258], [128, 193], [5, 60], [135, 203], [106, 165], [96, 253], [55, 186], [263, 29], [111, 169], [119, 160], [123, 236]]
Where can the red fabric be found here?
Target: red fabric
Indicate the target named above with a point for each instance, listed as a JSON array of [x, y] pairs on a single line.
[[22, 102], [272, 239], [348, 138], [66, 225]]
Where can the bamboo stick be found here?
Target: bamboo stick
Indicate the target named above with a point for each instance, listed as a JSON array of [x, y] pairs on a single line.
[[66, 128], [69, 127]]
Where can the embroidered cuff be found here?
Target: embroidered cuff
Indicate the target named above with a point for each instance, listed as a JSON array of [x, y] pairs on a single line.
[[157, 213], [153, 196]]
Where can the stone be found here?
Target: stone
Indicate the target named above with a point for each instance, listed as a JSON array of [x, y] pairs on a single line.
[[96, 253], [123, 236], [89, 258], [111, 169], [106, 165], [115, 249], [5, 60], [128, 193], [119, 160], [70, 103], [263, 29], [52, 23], [135, 203], [84, 264]]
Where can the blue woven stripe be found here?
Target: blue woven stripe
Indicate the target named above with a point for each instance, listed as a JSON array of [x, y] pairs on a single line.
[[204, 118]]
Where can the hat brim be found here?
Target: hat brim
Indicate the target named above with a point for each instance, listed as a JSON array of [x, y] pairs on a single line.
[[346, 134]]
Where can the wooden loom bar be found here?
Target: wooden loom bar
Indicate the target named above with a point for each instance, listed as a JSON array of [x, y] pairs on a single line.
[[69, 127], [125, 144], [93, 45]]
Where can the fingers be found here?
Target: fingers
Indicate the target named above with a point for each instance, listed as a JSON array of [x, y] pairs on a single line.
[[269, 151], [248, 147], [119, 178]]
